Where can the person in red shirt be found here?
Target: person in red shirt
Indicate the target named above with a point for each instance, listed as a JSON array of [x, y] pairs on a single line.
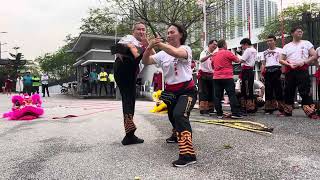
[[223, 79], [8, 85]]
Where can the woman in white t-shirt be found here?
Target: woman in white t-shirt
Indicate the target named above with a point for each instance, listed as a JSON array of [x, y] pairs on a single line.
[[19, 85], [180, 93]]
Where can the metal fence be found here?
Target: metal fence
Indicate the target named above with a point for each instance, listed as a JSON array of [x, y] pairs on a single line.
[[311, 23]]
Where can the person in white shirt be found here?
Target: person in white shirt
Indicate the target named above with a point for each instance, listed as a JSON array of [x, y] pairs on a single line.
[[205, 76], [180, 94], [259, 92], [248, 60], [297, 56], [19, 84], [45, 84], [258, 88], [129, 52], [271, 67]]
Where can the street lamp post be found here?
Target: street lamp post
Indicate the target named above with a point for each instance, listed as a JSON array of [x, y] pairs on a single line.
[[0, 48], [3, 32]]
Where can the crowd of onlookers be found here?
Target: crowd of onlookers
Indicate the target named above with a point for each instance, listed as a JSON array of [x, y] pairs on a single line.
[[92, 80], [27, 84]]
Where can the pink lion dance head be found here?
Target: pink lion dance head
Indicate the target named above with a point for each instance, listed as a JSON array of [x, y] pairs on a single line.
[[25, 107], [36, 100]]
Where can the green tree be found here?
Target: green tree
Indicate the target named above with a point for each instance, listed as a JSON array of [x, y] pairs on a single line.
[[70, 41], [58, 64], [291, 16], [99, 21], [32, 66], [14, 67], [102, 21], [163, 12], [160, 13]]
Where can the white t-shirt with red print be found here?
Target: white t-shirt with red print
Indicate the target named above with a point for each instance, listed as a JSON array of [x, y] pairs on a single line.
[[297, 52], [249, 57], [175, 70], [206, 66], [272, 57]]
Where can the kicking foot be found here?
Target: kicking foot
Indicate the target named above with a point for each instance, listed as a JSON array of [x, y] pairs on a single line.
[[131, 140]]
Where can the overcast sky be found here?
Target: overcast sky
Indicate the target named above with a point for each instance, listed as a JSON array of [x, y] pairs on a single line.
[[40, 26]]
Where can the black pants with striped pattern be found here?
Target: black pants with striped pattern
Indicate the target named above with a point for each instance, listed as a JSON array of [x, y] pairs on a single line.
[[125, 75], [247, 84], [299, 79], [179, 117]]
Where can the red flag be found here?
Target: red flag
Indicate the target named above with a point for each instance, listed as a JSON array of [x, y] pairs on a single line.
[[282, 28]]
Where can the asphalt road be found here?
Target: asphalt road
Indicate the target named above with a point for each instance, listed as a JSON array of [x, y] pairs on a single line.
[[88, 146]]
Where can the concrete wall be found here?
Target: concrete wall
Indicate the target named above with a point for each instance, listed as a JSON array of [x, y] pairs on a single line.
[[53, 89], [99, 56]]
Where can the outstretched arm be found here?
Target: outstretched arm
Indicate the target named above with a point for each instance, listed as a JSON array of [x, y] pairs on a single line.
[[147, 59], [173, 51], [205, 58], [147, 55]]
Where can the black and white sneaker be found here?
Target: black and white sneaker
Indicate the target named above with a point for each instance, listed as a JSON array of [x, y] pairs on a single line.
[[172, 139], [220, 116], [268, 112], [184, 162], [236, 116], [212, 113]]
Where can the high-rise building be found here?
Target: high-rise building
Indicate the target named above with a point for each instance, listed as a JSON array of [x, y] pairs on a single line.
[[230, 19]]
